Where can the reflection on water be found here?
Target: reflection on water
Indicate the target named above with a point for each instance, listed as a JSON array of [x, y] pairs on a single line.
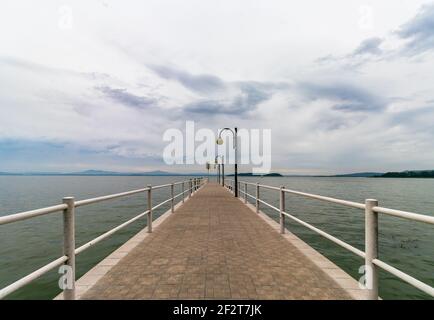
[[27, 245]]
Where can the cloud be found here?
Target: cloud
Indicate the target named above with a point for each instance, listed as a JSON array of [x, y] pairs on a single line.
[[415, 37], [323, 117], [419, 118], [38, 68], [418, 32], [369, 46], [345, 97], [248, 95], [217, 96], [125, 98], [202, 83]]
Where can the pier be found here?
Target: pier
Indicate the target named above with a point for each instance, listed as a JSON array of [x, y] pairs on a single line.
[[213, 245]]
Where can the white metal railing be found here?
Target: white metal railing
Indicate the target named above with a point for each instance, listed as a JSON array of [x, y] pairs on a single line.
[[371, 208], [68, 207]]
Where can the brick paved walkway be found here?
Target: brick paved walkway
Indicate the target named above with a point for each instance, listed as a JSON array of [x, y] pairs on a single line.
[[215, 247]]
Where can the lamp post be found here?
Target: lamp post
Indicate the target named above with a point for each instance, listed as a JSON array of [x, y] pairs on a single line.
[[216, 166], [222, 168], [208, 166], [220, 142]]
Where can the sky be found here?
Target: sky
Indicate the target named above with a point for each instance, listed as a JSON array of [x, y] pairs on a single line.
[[344, 86]]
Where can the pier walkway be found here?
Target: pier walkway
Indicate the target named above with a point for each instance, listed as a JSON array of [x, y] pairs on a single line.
[[216, 247]]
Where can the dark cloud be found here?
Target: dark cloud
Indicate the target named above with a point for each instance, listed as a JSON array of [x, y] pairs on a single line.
[[124, 97], [417, 118], [365, 52], [348, 97], [419, 32], [251, 94], [203, 83], [369, 46]]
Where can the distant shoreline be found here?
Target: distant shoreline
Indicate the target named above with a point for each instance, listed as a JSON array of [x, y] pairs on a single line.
[[424, 174]]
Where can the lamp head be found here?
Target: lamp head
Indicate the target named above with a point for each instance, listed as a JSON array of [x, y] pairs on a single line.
[[219, 141]]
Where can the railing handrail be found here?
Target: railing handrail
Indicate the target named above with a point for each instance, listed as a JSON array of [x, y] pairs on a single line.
[[59, 207], [194, 185], [372, 223], [392, 212]]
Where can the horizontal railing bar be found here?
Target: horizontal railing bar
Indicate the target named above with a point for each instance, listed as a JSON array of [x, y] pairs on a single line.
[[46, 210], [251, 196], [405, 277], [162, 186], [405, 214], [393, 212], [313, 196], [243, 182], [341, 243], [161, 204], [328, 199], [249, 183], [178, 195], [31, 214], [268, 187], [32, 276], [269, 205], [108, 233], [80, 203]]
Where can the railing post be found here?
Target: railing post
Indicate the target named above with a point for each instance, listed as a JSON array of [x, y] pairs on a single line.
[[172, 202], [257, 197], [371, 248], [190, 187], [282, 210], [239, 187], [245, 192], [69, 245], [183, 191], [149, 208]]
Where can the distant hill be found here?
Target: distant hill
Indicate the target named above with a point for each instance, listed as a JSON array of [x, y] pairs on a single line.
[[112, 173], [409, 174], [249, 174], [100, 173], [93, 173], [360, 174]]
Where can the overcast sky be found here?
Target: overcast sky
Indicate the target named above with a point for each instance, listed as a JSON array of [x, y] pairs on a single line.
[[345, 86]]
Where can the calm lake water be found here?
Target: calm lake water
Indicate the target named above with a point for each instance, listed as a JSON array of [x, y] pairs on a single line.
[[28, 245]]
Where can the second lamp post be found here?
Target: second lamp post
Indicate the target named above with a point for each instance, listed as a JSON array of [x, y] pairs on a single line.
[[220, 142]]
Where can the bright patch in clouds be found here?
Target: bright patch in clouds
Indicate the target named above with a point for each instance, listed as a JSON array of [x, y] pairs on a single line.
[[94, 84]]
